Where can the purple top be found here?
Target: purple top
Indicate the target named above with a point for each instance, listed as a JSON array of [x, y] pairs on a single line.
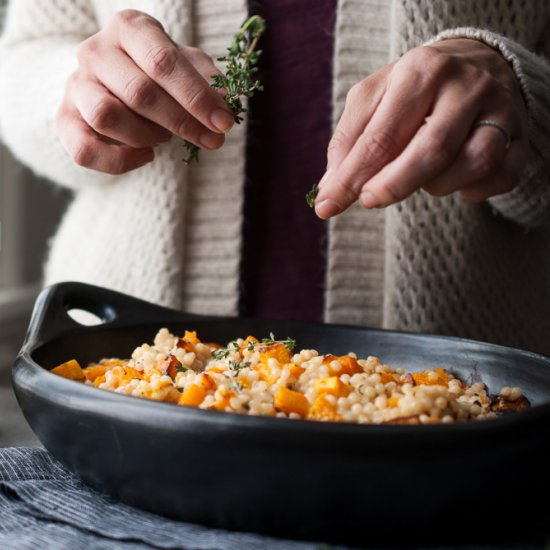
[[284, 246]]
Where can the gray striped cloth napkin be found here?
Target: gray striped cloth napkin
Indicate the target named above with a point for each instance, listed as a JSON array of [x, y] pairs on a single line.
[[43, 506]]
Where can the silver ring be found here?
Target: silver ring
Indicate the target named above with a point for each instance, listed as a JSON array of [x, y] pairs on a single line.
[[495, 124]]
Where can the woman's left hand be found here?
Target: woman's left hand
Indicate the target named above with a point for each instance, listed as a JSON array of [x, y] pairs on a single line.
[[421, 122]]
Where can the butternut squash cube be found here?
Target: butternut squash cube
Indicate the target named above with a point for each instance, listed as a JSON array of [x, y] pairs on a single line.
[[276, 351], [70, 369], [323, 409], [191, 336], [438, 377], [249, 340], [386, 377], [289, 401], [207, 381], [193, 396], [91, 372], [295, 370], [348, 365], [332, 385]]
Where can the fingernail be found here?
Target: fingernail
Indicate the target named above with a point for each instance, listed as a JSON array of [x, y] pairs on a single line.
[[327, 208], [209, 140], [222, 120], [368, 200]]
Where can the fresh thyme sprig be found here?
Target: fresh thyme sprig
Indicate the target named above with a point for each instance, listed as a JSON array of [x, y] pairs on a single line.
[[251, 345], [241, 60], [289, 343], [311, 195], [224, 353], [238, 80]]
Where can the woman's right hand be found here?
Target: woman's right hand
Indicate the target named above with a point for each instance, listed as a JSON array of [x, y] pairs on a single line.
[[134, 88]]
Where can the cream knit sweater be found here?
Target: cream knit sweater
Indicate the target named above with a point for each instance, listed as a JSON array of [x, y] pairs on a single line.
[[172, 235]]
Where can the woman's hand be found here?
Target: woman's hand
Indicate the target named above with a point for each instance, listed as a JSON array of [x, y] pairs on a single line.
[[412, 125], [134, 88]]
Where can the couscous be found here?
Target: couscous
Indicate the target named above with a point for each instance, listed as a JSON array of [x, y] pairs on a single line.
[[267, 377]]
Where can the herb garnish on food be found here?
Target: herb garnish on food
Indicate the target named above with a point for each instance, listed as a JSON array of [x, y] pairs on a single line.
[[237, 365], [289, 343], [223, 353], [238, 80], [233, 347]]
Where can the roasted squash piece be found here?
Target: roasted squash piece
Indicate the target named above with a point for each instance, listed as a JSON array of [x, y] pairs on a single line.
[[290, 401], [186, 345], [348, 364], [332, 385], [275, 351], [173, 366], [440, 378], [91, 372], [386, 377], [193, 396], [70, 369], [191, 336], [129, 373], [323, 409], [295, 370], [207, 381], [189, 341], [248, 341]]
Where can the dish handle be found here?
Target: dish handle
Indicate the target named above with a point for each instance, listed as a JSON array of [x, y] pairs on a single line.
[[58, 306]]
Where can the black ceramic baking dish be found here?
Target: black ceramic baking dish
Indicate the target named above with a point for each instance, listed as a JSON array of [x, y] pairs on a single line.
[[384, 485]]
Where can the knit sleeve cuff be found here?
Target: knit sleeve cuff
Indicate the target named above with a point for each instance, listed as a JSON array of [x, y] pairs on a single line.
[[529, 203]]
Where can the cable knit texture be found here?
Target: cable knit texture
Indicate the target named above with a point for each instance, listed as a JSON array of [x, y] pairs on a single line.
[[173, 235]]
